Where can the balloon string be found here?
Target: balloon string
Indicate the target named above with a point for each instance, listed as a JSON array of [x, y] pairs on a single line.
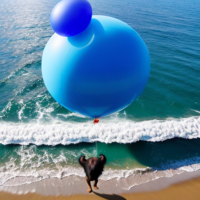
[[96, 149], [96, 141], [95, 130]]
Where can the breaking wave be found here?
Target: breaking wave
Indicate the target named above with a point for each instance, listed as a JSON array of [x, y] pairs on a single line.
[[141, 175], [107, 131]]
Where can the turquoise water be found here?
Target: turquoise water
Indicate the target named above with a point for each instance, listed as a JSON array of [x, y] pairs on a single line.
[[59, 161], [168, 108]]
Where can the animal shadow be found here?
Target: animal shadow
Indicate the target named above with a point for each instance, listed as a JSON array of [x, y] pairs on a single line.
[[110, 196]]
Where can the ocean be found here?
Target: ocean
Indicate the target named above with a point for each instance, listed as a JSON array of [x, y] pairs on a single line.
[[158, 132]]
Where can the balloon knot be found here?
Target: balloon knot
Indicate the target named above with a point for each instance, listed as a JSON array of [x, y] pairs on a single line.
[[96, 120]]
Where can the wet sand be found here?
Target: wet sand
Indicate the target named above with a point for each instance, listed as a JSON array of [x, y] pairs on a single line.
[[184, 190], [184, 186]]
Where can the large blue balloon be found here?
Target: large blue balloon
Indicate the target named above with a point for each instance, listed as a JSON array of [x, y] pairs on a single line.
[[99, 71], [71, 17]]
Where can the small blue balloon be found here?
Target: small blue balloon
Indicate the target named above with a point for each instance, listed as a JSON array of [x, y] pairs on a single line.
[[71, 17], [99, 71]]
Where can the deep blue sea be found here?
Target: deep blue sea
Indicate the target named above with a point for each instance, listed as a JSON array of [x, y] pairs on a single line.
[[160, 130]]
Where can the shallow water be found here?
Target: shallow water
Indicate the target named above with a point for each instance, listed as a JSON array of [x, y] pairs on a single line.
[[123, 160]]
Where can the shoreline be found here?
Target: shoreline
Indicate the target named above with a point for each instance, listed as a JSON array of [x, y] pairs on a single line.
[[75, 185], [187, 187]]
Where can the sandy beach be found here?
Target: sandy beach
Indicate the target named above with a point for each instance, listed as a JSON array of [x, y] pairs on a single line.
[[185, 190], [184, 186]]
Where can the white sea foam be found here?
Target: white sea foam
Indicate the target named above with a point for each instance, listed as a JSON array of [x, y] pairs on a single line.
[[141, 175], [107, 131]]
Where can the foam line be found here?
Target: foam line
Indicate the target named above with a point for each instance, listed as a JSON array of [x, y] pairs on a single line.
[[106, 131], [141, 175]]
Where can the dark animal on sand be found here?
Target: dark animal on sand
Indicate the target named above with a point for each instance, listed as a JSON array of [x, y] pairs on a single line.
[[93, 168]]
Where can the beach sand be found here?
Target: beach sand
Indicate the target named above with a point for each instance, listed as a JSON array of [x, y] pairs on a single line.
[[184, 186], [184, 190]]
